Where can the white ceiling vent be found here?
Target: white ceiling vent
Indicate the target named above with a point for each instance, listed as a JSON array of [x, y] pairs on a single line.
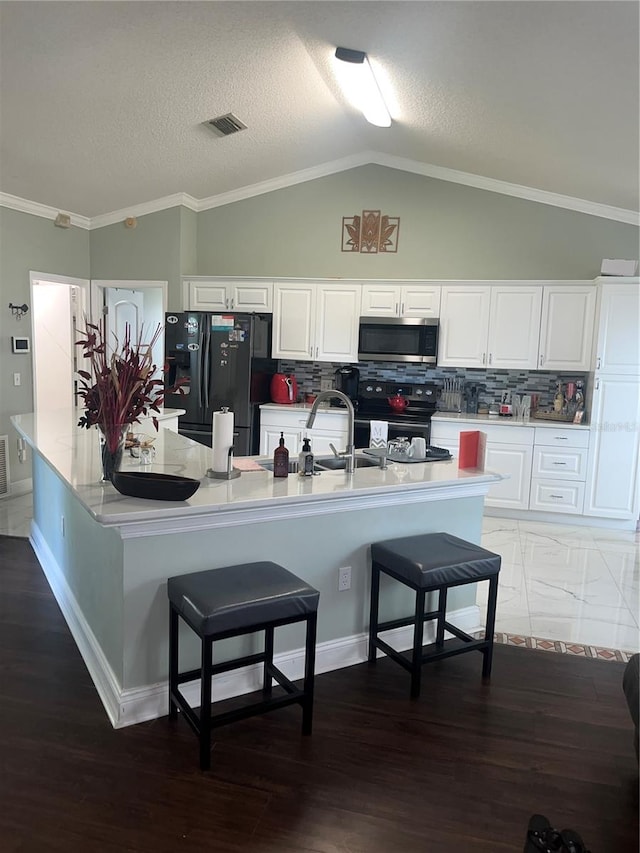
[[226, 125]]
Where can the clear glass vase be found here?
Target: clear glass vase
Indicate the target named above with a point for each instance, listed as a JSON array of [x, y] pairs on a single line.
[[112, 441]]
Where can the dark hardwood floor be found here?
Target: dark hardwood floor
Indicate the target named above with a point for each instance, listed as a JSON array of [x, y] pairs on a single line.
[[459, 771]]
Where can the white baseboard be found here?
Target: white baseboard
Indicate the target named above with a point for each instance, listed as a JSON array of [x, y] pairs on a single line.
[[135, 705]]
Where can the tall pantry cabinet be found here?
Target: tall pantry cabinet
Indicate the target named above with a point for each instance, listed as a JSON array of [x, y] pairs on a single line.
[[613, 478]]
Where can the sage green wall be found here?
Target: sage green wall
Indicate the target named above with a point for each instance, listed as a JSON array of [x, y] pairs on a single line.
[[27, 243], [446, 231], [149, 252], [188, 242]]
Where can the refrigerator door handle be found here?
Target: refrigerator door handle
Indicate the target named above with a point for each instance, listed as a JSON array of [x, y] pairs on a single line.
[[207, 367], [200, 365]]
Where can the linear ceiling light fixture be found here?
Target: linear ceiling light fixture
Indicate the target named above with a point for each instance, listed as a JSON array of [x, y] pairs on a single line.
[[360, 85]]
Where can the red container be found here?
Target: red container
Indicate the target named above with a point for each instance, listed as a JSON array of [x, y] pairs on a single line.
[[284, 388], [398, 403]]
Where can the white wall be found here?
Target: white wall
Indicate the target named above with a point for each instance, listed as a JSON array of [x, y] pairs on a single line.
[[53, 346]]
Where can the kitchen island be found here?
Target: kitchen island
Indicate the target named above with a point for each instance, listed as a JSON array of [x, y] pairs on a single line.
[[107, 557]]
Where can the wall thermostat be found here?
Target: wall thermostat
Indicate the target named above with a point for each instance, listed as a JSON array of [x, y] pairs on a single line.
[[19, 344]]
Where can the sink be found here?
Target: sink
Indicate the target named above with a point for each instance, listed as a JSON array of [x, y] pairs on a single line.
[[293, 466], [339, 463]]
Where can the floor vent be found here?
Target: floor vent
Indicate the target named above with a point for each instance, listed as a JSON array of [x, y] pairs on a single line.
[[4, 465], [226, 125]]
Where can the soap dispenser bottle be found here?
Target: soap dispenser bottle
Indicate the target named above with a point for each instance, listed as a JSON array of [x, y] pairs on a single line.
[[281, 459], [305, 459]]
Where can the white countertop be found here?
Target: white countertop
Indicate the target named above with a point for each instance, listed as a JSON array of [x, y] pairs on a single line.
[[74, 454], [325, 408], [462, 417]]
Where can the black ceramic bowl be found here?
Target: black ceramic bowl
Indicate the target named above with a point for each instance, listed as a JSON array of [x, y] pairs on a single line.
[[157, 487]]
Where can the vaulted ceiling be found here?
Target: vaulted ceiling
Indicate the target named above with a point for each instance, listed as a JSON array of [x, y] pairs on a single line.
[[102, 104]]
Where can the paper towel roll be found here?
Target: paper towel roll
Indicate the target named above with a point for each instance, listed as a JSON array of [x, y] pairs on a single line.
[[222, 439]]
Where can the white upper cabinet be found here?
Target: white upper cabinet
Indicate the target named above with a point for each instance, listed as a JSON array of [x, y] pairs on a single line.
[[316, 322], [220, 295], [388, 299], [514, 327], [618, 348], [566, 332], [464, 324]]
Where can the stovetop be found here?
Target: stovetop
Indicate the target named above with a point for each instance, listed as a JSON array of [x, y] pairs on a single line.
[[373, 401]]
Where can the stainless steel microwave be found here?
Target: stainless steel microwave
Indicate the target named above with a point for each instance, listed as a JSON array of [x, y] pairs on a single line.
[[398, 339]]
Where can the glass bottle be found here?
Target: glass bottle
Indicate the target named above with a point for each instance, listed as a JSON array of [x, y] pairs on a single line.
[[281, 459]]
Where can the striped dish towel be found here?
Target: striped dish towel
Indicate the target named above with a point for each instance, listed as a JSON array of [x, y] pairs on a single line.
[[379, 433]]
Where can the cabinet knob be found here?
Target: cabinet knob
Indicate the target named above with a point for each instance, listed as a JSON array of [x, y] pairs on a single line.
[[396, 311], [484, 357], [541, 359], [599, 363], [490, 357], [402, 308]]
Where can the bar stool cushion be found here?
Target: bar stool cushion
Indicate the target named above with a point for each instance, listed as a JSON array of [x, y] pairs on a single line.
[[234, 598], [433, 560]]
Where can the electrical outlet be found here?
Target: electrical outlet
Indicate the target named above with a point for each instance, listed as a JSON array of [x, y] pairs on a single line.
[[62, 525], [326, 385], [17, 380], [344, 578]]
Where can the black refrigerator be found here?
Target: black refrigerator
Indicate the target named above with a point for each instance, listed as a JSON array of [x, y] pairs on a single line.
[[219, 360]]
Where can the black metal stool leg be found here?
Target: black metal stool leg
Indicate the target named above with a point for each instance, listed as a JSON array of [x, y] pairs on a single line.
[[442, 615], [373, 610], [309, 672], [490, 626], [416, 657], [205, 704], [173, 660], [267, 683]]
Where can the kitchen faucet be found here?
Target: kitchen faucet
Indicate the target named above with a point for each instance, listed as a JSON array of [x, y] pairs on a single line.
[[350, 453]]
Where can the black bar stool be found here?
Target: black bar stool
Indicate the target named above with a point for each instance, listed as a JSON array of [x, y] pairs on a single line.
[[429, 563], [229, 602]]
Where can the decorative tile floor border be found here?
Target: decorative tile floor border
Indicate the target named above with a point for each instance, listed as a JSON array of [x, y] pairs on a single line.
[[559, 646]]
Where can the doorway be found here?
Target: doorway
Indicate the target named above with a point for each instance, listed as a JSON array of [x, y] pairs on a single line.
[[59, 304]]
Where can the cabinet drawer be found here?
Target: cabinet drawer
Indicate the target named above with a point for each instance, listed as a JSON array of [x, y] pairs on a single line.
[[557, 496], [566, 437], [560, 463]]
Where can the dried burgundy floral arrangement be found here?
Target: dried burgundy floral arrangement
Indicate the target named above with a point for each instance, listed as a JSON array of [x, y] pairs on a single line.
[[119, 389]]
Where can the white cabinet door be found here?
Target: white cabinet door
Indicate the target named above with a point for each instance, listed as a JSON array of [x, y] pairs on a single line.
[[420, 300], [612, 479], [380, 300], [221, 295], [251, 297], [464, 326], [386, 299], [513, 460], [316, 322], [207, 296], [618, 350], [293, 321], [514, 327], [336, 327], [270, 439], [566, 332]]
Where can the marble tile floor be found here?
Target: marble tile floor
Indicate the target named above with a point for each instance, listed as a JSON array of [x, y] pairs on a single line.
[[578, 585], [559, 583]]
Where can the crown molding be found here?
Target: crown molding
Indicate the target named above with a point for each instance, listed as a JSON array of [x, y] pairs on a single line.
[[321, 171], [165, 203], [23, 205], [365, 158], [591, 208]]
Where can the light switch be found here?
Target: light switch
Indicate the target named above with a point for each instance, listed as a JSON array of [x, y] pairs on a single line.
[[16, 379]]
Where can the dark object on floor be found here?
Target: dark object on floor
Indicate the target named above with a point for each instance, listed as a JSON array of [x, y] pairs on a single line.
[[230, 602], [631, 687], [543, 838], [156, 487], [432, 562]]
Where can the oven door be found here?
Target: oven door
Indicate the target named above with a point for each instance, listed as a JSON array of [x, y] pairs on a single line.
[[396, 430]]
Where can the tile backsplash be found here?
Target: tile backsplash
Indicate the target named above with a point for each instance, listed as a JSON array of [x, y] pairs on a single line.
[[492, 383]]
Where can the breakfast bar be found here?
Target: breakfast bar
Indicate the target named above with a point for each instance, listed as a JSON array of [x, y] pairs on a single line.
[[107, 556]]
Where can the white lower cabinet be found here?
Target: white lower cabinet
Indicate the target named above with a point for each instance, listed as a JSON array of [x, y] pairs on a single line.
[[556, 496], [509, 451], [330, 427]]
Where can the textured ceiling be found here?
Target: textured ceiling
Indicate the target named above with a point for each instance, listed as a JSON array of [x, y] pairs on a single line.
[[102, 103]]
